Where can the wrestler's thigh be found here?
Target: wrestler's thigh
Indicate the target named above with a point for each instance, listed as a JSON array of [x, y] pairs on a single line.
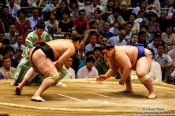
[[143, 66], [45, 66], [42, 63]]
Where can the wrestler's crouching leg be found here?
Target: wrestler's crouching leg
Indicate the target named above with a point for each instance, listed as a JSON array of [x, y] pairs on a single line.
[[149, 85], [51, 77], [29, 75], [128, 86]]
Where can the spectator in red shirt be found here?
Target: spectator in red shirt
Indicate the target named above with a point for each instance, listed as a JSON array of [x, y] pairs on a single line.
[[81, 23]]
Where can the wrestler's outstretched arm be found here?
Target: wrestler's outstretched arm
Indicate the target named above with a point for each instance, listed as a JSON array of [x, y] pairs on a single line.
[[67, 54], [125, 65], [108, 74]]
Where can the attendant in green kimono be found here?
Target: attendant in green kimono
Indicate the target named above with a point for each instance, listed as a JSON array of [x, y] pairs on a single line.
[[39, 35]]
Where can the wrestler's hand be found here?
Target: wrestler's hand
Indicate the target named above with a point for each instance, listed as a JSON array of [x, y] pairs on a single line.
[[121, 82], [101, 78]]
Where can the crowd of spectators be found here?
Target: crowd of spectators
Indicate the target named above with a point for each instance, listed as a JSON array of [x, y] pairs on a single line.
[[100, 22]]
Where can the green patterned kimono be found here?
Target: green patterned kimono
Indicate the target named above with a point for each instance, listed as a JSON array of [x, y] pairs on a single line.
[[24, 64]]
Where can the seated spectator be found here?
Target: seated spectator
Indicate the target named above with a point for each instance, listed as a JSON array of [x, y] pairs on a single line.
[[128, 27], [9, 51], [102, 66], [141, 18], [22, 23], [142, 7], [74, 8], [97, 53], [89, 70], [115, 16], [115, 28], [168, 37], [51, 26], [7, 18], [135, 25], [153, 24], [35, 17], [11, 34], [165, 62], [134, 39], [149, 37], [156, 41], [99, 19], [142, 38], [66, 25], [105, 32], [70, 71], [104, 42], [63, 7], [7, 70], [18, 45], [13, 7], [81, 23], [118, 40], [92, 42]]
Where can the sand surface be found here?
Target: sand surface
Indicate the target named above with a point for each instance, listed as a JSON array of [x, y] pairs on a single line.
[[88, 98]]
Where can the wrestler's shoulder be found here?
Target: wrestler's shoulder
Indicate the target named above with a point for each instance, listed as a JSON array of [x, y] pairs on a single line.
[[62, 41]]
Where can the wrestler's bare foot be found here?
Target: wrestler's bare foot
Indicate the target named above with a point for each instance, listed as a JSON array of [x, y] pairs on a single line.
[[152, 96], [127, 91], [37, 99]]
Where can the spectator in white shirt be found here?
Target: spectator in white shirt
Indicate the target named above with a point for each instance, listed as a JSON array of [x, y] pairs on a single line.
[[18, 45], [13, 7], [165, 62], [89, 70], [7, 70], [35, 18], [92, 42], [70, 71]]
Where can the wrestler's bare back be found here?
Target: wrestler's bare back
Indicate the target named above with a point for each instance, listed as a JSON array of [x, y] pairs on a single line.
[[60, 46], [62, 49], [119, 54]]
